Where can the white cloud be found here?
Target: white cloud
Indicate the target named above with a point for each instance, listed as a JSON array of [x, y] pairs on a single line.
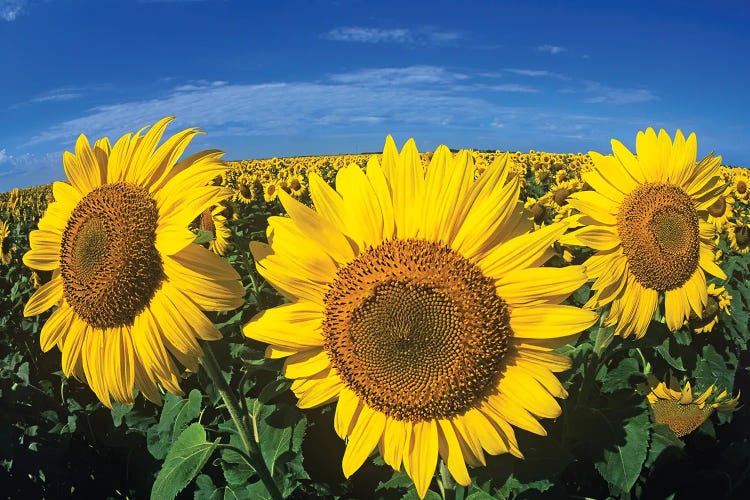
[[10, 9], [411, 75], [368, 35], [599, 93], [536, 73], [419, 36], [417, 96], [29, 169], [513, 87], [551, 49]]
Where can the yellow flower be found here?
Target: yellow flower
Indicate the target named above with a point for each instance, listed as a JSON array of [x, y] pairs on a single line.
[[245, 192], [128, 281], [741, 185], [739, 237], [270, 190], [214, 221], [643, 220], [718, 302], [720, 212], [417, 303], [297, 185], [675, 407], [5, 244]]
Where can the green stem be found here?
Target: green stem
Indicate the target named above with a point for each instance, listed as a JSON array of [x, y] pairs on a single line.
[[251, 445]]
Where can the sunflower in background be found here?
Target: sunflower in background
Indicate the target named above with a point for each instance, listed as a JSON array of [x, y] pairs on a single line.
[[739, 236], [721, 211], [645, 217], [5, 244], [718, 302], [128, 281], [675, 407], [215, 222], [741, 185], [418, 304]]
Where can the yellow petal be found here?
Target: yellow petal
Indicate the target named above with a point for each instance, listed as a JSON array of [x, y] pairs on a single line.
[[347, 409], [422, 455], [295, 325], [56, 327], [450, 451], [549, 321], [540, 284], [306, 363], [363, 439], [48, 295], [522, 252]]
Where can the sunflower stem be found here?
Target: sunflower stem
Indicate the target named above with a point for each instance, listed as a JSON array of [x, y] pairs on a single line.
[[211, 365]]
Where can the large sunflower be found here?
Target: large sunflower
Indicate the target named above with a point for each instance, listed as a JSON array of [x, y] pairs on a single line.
[[646, 218], [128, 281], [417, 302]]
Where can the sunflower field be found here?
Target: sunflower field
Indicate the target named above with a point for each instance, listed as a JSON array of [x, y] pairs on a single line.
[[454, 324]]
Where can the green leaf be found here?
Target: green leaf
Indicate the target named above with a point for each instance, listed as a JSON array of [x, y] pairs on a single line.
[[514, 487], [175, 417], [204, 237], [23, 373], [713, 369], [205, 489], [273, 389], [621, 465], [185, 459], [619, 377], [119, 411], [662, 438], [672, 358], [397, 480]]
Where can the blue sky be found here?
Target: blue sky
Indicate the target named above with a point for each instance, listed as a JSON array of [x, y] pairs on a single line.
[[287, 78]]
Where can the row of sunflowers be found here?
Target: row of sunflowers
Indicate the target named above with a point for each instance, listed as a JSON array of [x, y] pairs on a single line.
[[467, 317]]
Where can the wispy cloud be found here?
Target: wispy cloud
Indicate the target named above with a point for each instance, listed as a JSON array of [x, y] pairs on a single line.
[[418, 36], [27, 169], [411, 75], [417, 96], [551, 49], [536, 73], [513, 87], [596, 92], [58, 95], [11, 9]]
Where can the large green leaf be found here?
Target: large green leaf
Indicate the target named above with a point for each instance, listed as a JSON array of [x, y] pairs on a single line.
[[185, 459], [175, 417], [621, 464]]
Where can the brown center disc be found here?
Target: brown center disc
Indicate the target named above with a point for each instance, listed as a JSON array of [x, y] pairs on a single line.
[[659, 229], [109, 264], [416, 330]]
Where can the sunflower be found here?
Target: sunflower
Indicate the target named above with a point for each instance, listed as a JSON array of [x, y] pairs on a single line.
[[741, 185], [739, 237], [297, 185], [417, 303], [271, 190], [720, 212], [245, 192], [675, 407], [718, 301], [644, 219], [5, 244], [214, 221], [536, 211], [128, 281]]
